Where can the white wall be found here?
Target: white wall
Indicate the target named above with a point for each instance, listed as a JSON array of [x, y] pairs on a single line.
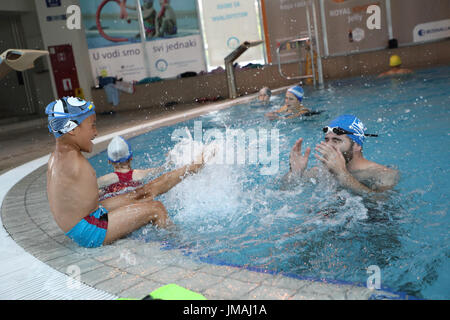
[[56, 33]]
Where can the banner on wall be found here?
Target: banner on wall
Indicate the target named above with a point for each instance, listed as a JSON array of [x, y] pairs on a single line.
[[173, 42], [226, 25], [432, 30], [167, 58], [346, 24]]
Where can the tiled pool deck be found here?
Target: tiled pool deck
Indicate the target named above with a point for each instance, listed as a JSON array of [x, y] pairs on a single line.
[[130, 268]]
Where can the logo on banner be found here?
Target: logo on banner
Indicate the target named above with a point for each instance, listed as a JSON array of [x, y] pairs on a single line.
[[233, 43], [73, 17], [161, 65], [53, 3], [374, 20], [432, 30], [358, 34]]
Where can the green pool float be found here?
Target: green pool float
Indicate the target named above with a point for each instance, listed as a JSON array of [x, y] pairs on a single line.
[[171, 292]]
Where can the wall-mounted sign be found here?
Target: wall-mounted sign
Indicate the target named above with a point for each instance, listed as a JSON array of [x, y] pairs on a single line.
[[53, 3], [432, 30], [173, 43]]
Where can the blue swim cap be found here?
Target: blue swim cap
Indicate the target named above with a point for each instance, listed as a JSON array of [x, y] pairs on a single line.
[[67, 113], [353, 124], [297, 91]]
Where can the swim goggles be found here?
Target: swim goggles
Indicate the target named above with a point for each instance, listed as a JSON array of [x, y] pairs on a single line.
[[339, 131], [54, 124]]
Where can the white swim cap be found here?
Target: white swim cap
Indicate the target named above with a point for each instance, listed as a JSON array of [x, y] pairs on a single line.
[[119, 150]]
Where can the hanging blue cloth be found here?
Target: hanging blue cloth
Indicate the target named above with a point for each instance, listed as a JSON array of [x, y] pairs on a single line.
[[112, 94]]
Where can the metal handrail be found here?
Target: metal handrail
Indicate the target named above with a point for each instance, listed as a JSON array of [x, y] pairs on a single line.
[[305, 39], [311, 50], [229, 59]]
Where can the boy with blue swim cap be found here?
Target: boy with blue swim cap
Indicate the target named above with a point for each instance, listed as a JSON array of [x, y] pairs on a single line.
[[66, 114], [341, 154], [72, 184]]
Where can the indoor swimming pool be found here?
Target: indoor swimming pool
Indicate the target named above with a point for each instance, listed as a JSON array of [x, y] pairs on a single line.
[[238, 214]]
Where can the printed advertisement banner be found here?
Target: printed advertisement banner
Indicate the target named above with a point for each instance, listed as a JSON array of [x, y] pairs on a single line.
[[166, 58], [432, 30], [173, 42], [347, 30], [226, 25]]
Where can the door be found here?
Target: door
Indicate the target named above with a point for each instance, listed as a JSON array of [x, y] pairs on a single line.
[[64, 70]]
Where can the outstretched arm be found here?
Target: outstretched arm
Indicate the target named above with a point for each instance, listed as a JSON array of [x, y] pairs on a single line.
[[272, 115], [140, 174], [106, 180]]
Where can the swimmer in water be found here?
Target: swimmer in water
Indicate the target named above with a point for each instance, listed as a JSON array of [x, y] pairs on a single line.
[[264, 94], [341, 153], [120, 157], [72, 187], [293, 107], [395, 63], [149, 17], [166, 20]]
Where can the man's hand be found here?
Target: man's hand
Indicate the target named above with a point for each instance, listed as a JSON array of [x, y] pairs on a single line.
[[297, 162], [331, 157]]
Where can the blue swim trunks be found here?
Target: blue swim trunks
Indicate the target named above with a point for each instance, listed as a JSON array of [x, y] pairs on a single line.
[[90, 232]]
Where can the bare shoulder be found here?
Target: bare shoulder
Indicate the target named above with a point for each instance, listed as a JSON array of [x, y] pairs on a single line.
[[405, 71], [68, 165], [377, 177]]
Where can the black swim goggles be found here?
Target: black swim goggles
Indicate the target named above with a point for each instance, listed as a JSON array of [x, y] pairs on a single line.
[[339, 131]]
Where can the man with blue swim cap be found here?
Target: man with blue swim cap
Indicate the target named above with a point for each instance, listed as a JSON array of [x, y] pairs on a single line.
[[341, 154], [72, 187]]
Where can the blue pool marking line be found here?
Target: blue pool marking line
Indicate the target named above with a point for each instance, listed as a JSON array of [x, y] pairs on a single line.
[[396, 295], [19, 264]]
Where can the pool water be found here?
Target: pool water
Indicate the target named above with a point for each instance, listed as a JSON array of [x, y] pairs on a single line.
[[233, 214]]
